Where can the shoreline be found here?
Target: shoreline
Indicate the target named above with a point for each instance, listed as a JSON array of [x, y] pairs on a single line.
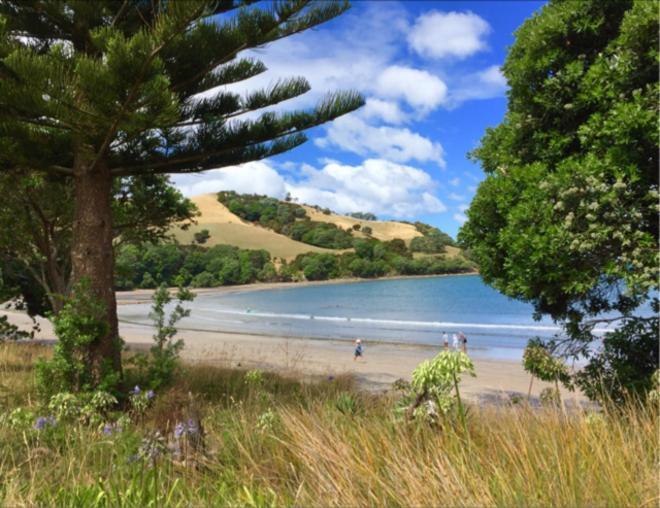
[[144, 295], [312, 359]]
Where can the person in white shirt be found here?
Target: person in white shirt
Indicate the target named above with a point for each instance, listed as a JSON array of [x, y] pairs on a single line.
[[455, 342], [445, 340]]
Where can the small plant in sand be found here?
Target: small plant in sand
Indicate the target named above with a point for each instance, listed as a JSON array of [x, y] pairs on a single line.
[[254, 378], [540, 363], [435, 385], [157, 369]]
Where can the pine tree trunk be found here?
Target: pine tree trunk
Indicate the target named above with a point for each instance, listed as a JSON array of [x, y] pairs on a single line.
[[92, 256]]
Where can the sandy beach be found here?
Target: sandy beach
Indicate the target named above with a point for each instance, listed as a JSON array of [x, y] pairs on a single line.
[[381, 365]]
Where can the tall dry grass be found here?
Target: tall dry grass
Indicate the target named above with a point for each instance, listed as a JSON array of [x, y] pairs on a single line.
[[284, 443]]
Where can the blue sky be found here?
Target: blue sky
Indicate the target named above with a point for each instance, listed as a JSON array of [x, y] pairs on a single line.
[[430, 74]]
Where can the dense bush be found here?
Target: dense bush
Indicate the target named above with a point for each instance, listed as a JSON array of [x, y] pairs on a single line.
[[321, 234], [433, 240], [286, 218], [363, 216], [373, 259], [320, 266], [149, 266], [80, 323], [431, 265], [268, 212]]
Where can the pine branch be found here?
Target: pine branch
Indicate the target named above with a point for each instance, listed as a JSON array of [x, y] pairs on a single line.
[[134, 90]]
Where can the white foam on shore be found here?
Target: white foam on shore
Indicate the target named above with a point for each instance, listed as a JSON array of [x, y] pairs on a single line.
[[418, 324]]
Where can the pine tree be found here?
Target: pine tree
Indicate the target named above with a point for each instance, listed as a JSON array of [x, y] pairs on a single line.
[[111, 88]]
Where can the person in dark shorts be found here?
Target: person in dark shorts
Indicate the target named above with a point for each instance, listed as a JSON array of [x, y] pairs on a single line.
[[358, 349]]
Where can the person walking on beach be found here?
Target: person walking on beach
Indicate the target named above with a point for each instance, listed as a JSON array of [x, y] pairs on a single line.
[[463, 339], [445, 341], [358, 349], [454, 339]]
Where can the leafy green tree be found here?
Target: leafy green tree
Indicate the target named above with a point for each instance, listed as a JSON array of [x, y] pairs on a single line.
[[567, 217], [202, 236], [38, 210], [364, 248], [540, 363], [363, 215], [320, 266], [94, 91]]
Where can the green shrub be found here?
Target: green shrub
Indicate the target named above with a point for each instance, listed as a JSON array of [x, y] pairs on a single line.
[[80, 323], [158, 368], [346, 404], [202, 236]]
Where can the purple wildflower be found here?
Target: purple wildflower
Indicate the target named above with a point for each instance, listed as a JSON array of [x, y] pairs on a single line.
[[192, 427], [111, 428], [44, 421], [152, 447], [150, 394], [136, 390], [179, 430]]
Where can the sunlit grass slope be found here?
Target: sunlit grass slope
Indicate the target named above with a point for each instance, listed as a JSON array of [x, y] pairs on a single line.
[[226, 228]]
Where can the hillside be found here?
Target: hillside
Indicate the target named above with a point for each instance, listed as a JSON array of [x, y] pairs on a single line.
[[227, 228], [381, 230]]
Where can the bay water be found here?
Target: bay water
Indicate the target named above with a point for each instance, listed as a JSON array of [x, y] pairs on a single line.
[[412, 311]]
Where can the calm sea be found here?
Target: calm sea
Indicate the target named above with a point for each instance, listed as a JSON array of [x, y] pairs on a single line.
[[411, 311]]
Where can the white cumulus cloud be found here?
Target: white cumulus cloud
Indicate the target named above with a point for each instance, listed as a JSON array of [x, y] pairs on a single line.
[[251, 178], [484, 84], [376, 185], [353, 134], [437, 34], [461, 218], [420, 89], [387, 111]]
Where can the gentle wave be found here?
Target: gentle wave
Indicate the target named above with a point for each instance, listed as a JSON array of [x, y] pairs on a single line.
[[433, 324]]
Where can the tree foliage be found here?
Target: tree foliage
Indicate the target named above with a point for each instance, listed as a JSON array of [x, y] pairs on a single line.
[[38, 210], [567, 217], [95, 91], [151, 265], [78, 325], [432, 241]]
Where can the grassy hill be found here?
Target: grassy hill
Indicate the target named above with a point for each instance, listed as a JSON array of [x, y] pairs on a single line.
[[227, 228]]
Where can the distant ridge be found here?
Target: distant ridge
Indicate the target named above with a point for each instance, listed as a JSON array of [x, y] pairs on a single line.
[[227, 228]]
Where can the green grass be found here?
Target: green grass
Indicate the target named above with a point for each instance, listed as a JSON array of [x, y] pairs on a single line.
[[273, 441]]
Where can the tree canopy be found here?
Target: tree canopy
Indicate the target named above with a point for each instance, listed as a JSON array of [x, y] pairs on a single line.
[[98, 90], [567, 217]]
